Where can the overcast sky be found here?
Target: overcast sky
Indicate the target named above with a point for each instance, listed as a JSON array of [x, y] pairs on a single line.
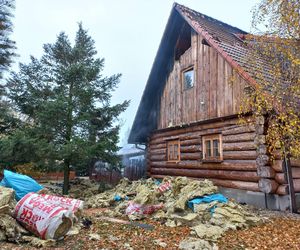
[[127, 33]]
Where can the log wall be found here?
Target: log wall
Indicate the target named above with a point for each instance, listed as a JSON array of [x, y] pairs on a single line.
[[216, 93], [281, 176], [238, 168]]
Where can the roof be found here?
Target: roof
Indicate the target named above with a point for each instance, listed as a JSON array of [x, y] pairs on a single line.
[[130, 150], [226, 39]]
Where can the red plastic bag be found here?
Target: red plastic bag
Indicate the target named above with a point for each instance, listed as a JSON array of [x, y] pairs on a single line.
[[137, 209]]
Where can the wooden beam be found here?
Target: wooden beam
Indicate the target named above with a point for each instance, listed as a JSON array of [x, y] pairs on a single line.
[[233, 165], [239, 137], [239, 146], [251, 186], [203, 173], [239, 155]]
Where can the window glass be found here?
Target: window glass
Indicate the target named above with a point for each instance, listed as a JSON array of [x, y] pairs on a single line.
[[175, 152], [208, 148], [216, 152], [188, 78]]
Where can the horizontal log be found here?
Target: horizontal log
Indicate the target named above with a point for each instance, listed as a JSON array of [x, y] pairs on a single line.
[[250, 186], [296, 172], [295, 163], [233, 165], [278, 166], [283, 188], [239, 130], [158, 151], [158, 146], [267, 186], [202, 173], [282, 177], [190, 149], [266, 172], [238, 146], [196, 136], [244, 185], [190, 156], [196, 141], [231, 123], [239, 155], [239, 137], [158, 157]]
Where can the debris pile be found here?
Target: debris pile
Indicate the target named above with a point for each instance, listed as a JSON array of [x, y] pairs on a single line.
[[46, 216], [173, 202], [80, 188]]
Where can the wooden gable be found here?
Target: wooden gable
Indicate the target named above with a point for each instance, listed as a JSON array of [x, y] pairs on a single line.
[[217, 90]]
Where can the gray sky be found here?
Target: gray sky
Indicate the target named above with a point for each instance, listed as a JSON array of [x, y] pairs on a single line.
[[127, 33]]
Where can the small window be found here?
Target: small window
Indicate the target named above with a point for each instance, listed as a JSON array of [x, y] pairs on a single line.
[[212, 148], [188, 78], [173, 151]]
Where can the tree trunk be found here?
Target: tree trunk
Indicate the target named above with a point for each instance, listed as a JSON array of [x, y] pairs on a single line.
[[68, 137], [66, 177]]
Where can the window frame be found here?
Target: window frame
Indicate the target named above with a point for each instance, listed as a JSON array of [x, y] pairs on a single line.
[[173, 143], [191, 68], [211, 138]]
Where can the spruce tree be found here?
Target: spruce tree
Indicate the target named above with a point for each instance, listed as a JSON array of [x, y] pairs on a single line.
[[7, 46], [68, 103]]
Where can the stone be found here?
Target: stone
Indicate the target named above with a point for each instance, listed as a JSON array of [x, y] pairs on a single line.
[[196, 244], [94, 236], [160, 243]]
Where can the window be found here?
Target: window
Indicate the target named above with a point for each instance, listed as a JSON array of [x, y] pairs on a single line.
[[188, 78], [212, 148], [173, 151]]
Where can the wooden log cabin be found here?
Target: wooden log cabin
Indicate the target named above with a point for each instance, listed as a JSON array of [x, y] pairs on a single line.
[[188, 114]]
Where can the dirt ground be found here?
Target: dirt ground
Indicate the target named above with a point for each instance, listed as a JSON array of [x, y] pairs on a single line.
[[280, 232]]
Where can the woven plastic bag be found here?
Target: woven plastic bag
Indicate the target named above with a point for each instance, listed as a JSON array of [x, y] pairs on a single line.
[[45, 219]]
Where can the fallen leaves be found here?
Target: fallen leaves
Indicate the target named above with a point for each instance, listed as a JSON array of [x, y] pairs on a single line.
[[279, 234]]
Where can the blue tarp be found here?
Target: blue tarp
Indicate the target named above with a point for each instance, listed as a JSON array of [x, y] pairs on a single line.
[[206, 199], [119, 198], [22, 184]]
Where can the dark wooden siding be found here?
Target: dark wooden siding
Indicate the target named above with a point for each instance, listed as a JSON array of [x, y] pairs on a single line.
[[238, 168], [216, 93]]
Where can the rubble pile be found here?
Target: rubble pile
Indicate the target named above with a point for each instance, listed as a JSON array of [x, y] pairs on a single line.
[[168, 202], [82, 188]]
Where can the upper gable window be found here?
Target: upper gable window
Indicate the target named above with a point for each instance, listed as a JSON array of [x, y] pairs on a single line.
[[188, 78]]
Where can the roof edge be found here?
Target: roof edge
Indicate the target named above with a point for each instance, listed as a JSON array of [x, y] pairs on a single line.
[[212, 42]]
